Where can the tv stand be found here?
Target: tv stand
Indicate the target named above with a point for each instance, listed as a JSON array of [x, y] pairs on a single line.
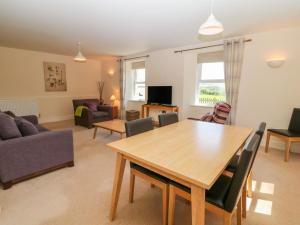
[[147, 107]]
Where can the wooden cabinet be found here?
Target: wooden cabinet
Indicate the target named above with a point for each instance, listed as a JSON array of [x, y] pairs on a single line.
[[116, 112]]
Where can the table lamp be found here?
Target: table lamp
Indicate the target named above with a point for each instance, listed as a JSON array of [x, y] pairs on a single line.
[[113, 98]]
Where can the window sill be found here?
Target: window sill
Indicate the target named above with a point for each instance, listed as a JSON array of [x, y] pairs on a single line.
[[202, 106], [134, 100]]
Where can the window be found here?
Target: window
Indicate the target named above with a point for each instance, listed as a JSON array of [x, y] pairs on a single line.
[[136, 81], [139, 84], [210, 76]]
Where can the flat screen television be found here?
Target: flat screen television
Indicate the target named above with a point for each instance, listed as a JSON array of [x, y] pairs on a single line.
[[159, 95]]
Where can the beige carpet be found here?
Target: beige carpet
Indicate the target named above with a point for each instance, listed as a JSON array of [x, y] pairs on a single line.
[[81, 195]]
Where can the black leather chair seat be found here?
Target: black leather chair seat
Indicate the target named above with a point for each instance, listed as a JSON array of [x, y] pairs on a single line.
[[149, 172], [217, 194], [233, 164], [284, 132], [99, 114]]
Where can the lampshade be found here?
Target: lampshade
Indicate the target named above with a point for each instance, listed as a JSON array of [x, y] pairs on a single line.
[[79, 57], [113, 98], [211, 26]]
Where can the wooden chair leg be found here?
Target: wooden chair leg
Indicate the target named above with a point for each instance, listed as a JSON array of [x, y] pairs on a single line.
[[287, 151], [131, 189], [171, 209], [165, 201], [267, 142], [244, 202], [239, 212], [249, 184], [227, 219]]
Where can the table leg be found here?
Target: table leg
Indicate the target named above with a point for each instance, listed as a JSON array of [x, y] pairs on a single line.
[[95, 132], [111, 132], [287, 151], [244, 201], [120, 166], [198, 205], [267, 142]]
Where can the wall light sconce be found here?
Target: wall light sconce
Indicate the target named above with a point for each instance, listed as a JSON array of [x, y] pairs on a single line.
[[111, 73], [276, 62]]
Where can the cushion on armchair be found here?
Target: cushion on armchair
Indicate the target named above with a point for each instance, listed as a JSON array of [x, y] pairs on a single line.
[[8, 127], [92, 106]]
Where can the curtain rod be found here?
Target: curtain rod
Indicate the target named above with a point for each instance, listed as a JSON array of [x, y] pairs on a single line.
[[209, 46], [144, 56]]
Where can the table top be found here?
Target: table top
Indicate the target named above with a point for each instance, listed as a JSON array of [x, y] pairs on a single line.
[[114, 125], [194, 151]]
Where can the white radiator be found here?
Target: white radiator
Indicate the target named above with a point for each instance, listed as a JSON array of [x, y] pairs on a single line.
[[20, 107]]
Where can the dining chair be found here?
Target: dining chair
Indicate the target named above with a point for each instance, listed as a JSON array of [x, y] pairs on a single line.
[[231, 168], [136, 127], [289, 136], [167, 118], [224, 197]]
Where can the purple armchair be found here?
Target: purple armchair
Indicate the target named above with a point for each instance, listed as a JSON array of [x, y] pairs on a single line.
[[25, 157], [88, 117]]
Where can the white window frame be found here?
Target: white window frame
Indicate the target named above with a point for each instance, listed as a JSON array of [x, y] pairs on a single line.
[[207, 81], [135, 82]]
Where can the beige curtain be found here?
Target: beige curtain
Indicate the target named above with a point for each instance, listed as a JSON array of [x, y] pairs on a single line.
[[122, 89], [233, 61]]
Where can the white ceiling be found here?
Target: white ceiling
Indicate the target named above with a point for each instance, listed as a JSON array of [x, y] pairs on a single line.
[[123, 27]]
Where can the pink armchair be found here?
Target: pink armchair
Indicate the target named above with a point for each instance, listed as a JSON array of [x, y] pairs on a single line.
[[219, 115]]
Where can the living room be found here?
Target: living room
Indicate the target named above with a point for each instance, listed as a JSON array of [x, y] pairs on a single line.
[[73, 85]]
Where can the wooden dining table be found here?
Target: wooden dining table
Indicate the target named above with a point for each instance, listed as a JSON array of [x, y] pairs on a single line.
[[192, 153]]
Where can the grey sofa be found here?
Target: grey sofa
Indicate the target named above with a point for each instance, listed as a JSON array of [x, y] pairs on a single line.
[[25, 157], [88, 117]]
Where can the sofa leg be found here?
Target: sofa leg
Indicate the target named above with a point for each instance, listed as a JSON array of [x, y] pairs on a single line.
[[71, 164], [7, 185]]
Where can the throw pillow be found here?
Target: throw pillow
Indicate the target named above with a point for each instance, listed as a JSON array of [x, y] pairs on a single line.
[[8, 127], [26, 128], [10, 113], [92, 106]]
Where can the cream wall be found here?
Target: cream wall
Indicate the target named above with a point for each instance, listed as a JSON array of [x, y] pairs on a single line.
[[22, 77], [266, 94]]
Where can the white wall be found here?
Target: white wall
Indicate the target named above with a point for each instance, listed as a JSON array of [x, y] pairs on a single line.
[[22, 77], [266, 94]]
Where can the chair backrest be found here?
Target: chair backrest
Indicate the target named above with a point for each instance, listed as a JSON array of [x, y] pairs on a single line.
[[295, 121], [241, 174], [167, 118], [78, 102], [138, 126], [260, 132], [221, 112]]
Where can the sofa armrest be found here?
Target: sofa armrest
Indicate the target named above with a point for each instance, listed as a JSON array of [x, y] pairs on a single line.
[[27, 155], [31, 118]]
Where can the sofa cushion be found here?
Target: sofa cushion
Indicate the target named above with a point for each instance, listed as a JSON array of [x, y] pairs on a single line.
[[8, 127], [92, 106], [26, 128], [99, 114], [10, 113]]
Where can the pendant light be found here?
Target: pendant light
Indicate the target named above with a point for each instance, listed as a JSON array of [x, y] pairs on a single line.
[[79, 57], [211, 26]]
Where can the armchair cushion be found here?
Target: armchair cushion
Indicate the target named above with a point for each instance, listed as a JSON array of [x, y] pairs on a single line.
[[99, 114], [25, 127], [8, 127]]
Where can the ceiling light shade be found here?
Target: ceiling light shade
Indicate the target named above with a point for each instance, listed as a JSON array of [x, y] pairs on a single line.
[[79, 57], [211, 26]]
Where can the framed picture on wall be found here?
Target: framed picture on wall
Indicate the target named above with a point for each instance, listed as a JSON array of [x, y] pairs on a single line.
[[55, 76]]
